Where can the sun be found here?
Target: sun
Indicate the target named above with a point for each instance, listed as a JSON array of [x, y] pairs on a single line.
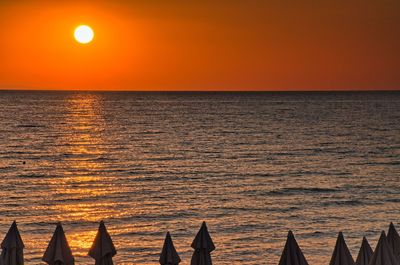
[[83, 34]]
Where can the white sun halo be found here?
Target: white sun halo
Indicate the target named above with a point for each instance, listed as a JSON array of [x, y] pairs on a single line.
[[83, 34]]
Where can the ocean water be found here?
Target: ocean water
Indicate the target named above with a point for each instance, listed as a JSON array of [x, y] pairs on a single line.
[[252, 165]]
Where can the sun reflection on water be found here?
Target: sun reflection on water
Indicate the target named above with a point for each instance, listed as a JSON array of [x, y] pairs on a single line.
[[81, 240], [80, 180]]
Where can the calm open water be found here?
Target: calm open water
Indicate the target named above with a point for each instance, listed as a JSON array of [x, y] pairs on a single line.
[[252, 165]]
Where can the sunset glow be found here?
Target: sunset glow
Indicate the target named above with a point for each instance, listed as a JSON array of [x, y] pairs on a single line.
[[240, 45]]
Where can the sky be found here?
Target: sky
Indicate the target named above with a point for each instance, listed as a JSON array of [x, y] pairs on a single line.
[[201, 45]]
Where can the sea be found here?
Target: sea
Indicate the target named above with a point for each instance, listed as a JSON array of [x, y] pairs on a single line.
[[251, 165]]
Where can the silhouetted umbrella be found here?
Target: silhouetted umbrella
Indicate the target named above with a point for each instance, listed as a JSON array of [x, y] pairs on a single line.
[[383, 254], [203, 246], [292, 254], [102, 249], [341, 254], [393, 239], [365, 253], [58, 251], [12, 247], [169, 256]]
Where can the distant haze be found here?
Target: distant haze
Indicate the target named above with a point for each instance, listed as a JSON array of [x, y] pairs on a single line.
[[201, 45]]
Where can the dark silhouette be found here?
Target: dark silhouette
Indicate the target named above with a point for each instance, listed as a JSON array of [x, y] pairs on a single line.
[[58, 251], [12, 247], [365, 253], [393, 239], [103, 248], [292, 254], [383, 254], [341, 254], [203, 246], [168, 255]]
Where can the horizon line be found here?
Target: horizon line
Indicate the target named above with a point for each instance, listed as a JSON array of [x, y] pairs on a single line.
[[200, 91]]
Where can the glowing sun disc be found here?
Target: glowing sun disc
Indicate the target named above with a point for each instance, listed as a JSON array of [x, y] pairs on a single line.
[[83, 34]]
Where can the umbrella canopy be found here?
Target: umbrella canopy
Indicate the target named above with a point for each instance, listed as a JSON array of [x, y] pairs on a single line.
[[365, 253], [102, 249], [169, 256], [383, 254], [292, 254], [12, 247], [393, 239], [341, 254], [203, 246], [58, 251]]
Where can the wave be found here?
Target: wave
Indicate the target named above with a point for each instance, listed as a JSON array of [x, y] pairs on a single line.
[[300, 190]]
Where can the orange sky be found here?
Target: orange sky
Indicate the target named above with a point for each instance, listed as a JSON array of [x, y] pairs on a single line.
[[201, 45]]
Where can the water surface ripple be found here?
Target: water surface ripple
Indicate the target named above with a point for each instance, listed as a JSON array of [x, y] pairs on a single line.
[[252, 165]]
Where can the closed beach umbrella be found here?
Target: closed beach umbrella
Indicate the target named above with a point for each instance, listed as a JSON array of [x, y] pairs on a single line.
[[58, 251], [341, 254], [383, 254], [292, 254], [169, 256], [12, 247], [102, 249], [393, 239], [365, 253], [203, 246]]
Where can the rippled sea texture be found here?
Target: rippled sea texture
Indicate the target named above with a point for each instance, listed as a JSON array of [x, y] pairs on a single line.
[[252, 165]]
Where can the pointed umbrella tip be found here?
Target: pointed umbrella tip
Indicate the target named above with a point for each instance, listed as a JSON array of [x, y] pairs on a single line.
[[102, 247], [59, 227], [13, 227], [58, 250], [168, 254], [383, 233], [203, 225], [290, 233], [203, 239], [12, 240]]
